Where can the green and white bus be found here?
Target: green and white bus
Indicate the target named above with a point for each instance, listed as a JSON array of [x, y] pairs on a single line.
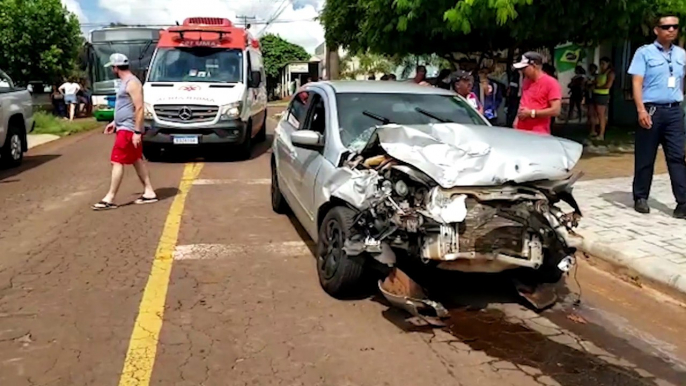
[[137, 43]]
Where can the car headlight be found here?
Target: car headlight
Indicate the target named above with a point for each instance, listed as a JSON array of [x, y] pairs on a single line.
[[231, 111], [149, 111]]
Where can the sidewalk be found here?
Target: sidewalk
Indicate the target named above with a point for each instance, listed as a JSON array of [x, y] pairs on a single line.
[[653, 245], [40, 139]]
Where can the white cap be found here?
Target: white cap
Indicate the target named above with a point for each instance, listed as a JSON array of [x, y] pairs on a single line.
[[528, 59], [117, 60]]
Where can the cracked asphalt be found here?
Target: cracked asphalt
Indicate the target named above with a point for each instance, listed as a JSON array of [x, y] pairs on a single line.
[[244, 307]]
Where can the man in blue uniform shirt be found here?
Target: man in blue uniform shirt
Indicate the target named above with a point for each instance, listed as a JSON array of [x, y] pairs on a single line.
[[658, 76]]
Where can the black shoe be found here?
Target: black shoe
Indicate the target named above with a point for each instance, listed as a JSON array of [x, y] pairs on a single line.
[[680, 211], [641, 206]]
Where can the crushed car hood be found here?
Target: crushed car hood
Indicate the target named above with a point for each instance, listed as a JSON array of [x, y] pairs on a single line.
[[468, 155]]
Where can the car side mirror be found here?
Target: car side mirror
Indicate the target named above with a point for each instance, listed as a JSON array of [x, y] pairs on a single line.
[[255, 79], [307, 139]]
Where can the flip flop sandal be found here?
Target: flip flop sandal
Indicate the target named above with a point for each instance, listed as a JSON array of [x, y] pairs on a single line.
[[102, 205], [144, 200]]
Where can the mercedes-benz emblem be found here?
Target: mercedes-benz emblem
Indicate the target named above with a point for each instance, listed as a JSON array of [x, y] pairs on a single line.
[[185, 113]]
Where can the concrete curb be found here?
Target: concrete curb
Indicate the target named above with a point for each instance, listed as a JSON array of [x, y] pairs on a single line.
[[35, 140], [652, 268]]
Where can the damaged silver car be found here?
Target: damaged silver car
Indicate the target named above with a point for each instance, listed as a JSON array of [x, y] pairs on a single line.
[[388, 176]]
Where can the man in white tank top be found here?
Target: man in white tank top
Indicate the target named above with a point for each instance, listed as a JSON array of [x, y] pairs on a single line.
[[128, 126]]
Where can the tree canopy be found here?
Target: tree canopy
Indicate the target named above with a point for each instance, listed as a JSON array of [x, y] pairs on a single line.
[[277, 52], [399, 27], [39, 40]]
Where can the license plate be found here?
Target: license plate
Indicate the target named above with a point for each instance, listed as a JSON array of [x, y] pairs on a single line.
[[185, 139]]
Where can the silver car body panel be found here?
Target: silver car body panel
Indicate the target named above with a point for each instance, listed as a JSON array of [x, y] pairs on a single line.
[[466, 155]]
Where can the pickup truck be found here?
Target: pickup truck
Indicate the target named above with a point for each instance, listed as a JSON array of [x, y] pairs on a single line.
[[16, 121]]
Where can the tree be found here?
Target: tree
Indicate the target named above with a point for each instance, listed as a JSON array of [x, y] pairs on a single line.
[[367, 64], [401, 27], [277, 52], [39, 40]]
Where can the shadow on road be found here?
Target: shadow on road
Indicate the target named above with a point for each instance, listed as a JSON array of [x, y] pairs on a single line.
[[211, 153], [626, 200], [547, 353], [29, 163]]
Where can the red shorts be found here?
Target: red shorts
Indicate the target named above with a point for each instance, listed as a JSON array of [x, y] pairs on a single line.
[[123, 151]]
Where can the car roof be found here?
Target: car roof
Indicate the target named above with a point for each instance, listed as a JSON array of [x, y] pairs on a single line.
[[381, 87]]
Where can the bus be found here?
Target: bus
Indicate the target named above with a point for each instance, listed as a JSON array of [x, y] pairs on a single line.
[[137, 43]]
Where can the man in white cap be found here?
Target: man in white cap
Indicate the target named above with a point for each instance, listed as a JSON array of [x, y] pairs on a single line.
[[128, 126], [541, 96]]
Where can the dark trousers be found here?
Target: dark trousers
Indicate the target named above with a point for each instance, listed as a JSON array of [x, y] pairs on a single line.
[[668, 131], [512, 110]]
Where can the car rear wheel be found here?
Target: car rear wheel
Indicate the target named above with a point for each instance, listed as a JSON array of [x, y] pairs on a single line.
[[279, 204], [12, 152], [340, 276]]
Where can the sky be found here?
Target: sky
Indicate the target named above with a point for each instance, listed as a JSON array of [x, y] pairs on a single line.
[[295, 24]]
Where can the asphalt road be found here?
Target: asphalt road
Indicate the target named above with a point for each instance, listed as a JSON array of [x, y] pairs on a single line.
[[210, 287]]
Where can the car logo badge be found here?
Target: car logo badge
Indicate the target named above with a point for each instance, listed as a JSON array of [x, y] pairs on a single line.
[[189, 88], [185, 113]]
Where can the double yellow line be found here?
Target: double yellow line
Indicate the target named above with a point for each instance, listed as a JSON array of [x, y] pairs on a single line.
[[140, 357]]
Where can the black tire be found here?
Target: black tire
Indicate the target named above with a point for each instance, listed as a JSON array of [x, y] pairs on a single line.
[[245, 148], [12, 152], [340, 276], [262, 135], [279, 204]]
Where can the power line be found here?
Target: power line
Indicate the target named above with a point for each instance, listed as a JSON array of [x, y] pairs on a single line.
[[280, 9]]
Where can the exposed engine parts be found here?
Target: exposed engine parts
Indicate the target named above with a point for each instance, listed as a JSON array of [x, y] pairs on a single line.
[[502, 227]]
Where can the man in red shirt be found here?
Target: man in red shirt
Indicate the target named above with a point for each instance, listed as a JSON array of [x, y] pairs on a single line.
[[541, 96]]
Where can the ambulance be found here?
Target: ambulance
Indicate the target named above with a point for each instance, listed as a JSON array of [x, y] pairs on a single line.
[[206, 89]]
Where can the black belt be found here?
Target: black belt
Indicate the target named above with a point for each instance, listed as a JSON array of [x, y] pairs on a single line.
[[673, 104]]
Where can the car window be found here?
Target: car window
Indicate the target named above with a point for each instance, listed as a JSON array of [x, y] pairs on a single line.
[[316, 120], [298, 109], [400, 109]]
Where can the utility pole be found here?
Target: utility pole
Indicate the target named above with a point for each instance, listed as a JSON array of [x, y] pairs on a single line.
[[245, 20]]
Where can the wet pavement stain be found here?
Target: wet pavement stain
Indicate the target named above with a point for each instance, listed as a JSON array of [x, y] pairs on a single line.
[[489, 331]]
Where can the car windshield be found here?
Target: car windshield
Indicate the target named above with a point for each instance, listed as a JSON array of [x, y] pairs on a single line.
[[197, 65], [403, 109]]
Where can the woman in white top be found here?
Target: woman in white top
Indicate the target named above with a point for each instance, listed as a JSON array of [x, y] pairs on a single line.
[[69, 89]]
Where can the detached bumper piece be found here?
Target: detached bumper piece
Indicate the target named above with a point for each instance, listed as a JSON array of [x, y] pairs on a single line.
[[404, 293]]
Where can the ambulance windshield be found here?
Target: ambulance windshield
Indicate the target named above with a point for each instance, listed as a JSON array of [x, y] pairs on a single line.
[[198, 64]]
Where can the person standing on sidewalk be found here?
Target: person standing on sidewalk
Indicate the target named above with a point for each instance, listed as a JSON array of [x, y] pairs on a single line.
[[601, 95], [128, 126], [658, 75], [541, 96]]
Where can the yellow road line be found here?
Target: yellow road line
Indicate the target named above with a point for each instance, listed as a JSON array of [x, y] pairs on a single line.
[[140, 357]]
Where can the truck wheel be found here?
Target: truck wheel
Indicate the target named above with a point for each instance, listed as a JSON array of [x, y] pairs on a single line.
[[279, 204], [262, 135], [339, 276], [12, 154], [245, 149]]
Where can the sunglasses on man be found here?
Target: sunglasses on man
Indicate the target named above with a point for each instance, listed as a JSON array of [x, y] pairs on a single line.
[[667, 27]]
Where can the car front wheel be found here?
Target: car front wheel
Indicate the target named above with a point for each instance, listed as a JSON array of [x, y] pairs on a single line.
[[340, 276], [12, 152], [279, 204]]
